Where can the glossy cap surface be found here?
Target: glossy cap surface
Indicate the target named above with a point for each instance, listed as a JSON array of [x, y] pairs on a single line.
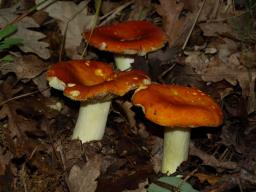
[[85, 80], [130, 37], [178, 106]]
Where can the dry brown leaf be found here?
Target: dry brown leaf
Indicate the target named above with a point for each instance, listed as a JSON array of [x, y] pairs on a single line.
[[25, 67], [214, 29], [25, 118], [42, 84], [5, 157], [175, 25], [72, 20], [142, 187], [140, 10], [211, 179], [215, 70], [31, 39], [225, 65], [129, 114], [84, 178]]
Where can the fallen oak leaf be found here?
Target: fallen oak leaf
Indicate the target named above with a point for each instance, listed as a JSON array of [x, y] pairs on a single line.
[[5, 158], [25, 67], [84, 178], [72, 20], [211, 179], [210, 159], [7, 91], [23, 119], [225, 65], [30, 39], [175, 25]]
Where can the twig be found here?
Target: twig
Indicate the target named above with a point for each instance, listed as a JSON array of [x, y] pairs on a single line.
[[211, 160], [97, 7], [66, 29], [21, 96], [17, 19], [111, 15], [193, 26], [23, 173]]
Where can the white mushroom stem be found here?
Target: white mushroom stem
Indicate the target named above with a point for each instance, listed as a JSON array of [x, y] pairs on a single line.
[[175, 150], [91, 121], [123, 63]]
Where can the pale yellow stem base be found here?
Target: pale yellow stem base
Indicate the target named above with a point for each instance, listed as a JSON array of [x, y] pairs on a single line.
[[91, 121], [176, 146], [123, 63]]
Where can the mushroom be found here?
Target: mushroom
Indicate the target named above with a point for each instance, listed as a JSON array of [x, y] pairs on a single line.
[[127, 38], [93, 83], [178, 109]]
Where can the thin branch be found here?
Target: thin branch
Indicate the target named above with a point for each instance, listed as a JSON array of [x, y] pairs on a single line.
[[193, 26], [21, 96]]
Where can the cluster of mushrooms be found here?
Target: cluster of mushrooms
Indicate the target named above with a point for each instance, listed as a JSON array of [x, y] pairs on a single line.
[[94, 83]]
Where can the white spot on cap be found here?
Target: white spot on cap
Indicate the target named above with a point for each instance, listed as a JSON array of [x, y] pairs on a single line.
[[75, 93], [87, 63], [71, 84], [56, 83], [98, 72], [146, 81], [103, 46], [194, 93]]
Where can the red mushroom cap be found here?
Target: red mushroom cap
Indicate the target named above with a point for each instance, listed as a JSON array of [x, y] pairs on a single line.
[[178, 106], [92, 80], [130, 37]]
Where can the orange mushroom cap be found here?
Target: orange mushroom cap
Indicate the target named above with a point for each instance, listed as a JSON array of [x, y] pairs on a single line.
[[178, 106], [89, 72], [130, 37], [93, 80]]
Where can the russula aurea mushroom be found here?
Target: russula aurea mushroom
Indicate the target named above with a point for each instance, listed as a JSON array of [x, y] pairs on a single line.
[[178, 109], [93, 83], [127, 38]]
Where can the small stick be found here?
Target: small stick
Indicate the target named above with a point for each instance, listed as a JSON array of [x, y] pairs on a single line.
[[17, 19], [21, 96], [193, 26]]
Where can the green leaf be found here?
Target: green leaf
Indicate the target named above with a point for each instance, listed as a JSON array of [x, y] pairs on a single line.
[[9, 42], [170, 184], [7, 58], [8, 30]]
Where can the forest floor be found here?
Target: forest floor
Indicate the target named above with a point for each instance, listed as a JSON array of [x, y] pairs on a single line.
[[211, 46]]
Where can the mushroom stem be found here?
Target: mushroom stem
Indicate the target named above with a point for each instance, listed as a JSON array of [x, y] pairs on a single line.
[[175, 150], [123, 63], [91, 121]]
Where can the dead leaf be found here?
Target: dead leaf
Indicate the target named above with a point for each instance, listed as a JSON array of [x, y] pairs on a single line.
[[142, 187], [175, 25], [140, 10], [226, 65], [25, 67], [5, 157], [31, 39], [42, 84], [215, 29], [72, 20], [84, 178], [211, 179], [130, 115]]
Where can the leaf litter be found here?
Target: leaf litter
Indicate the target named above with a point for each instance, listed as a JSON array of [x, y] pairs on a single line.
[[36, 153]]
